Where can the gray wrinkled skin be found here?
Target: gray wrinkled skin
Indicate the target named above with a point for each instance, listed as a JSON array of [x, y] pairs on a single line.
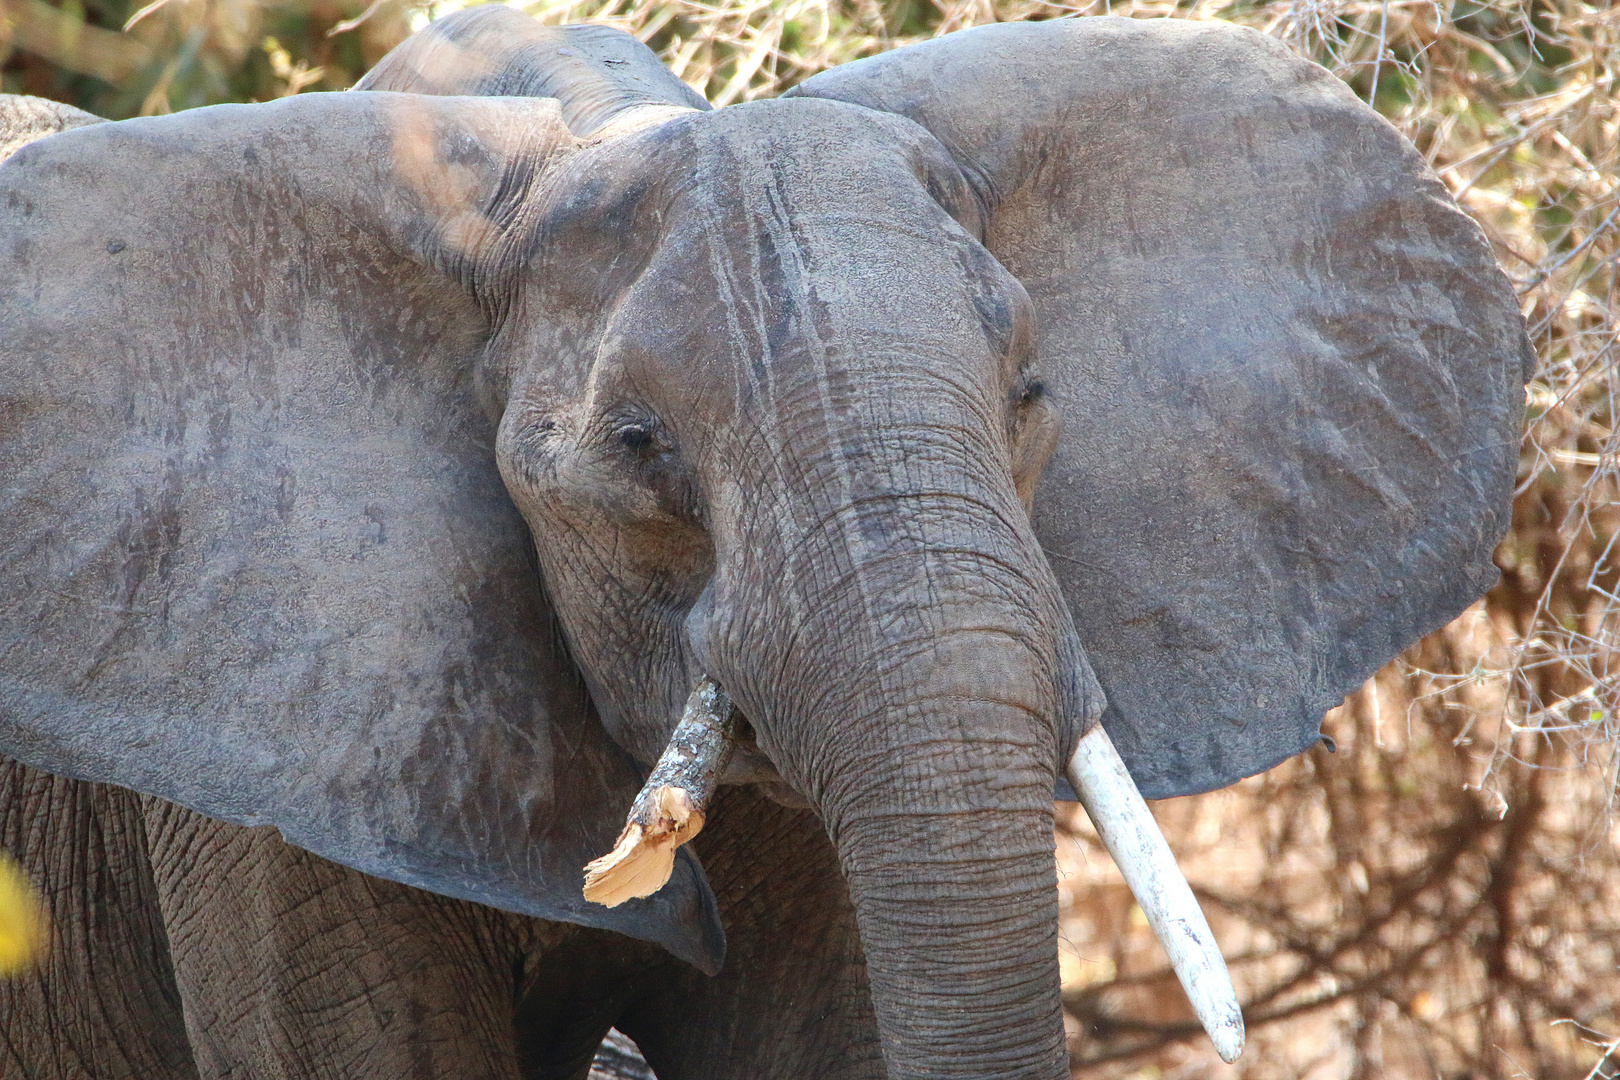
[[889, 405], [188, 948]]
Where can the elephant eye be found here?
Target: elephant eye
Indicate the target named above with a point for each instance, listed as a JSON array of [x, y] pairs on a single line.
[[636, 436], [1034, 391]]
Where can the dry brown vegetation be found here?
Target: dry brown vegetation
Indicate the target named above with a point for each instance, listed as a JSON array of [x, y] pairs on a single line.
[[1442, 896]]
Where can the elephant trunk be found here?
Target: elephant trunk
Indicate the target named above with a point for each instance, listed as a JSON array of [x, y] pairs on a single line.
[[915, 677], [956, 901]]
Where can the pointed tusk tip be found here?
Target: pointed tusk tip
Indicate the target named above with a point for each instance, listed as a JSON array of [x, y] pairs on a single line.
[[1228, 1042]]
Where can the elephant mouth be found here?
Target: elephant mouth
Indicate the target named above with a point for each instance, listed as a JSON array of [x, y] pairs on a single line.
[[671, 808]]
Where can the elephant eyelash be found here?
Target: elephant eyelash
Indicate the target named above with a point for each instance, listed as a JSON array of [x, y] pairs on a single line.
[[1028, 403]]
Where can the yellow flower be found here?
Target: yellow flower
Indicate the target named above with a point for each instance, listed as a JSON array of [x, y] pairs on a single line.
[[24, 928]]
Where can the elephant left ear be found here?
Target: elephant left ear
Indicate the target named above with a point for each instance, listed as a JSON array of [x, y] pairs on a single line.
[[255, 553], [1289, 372], [597, 74]]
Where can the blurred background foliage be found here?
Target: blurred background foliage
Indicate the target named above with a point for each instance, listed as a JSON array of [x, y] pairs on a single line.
[[1440, 898]]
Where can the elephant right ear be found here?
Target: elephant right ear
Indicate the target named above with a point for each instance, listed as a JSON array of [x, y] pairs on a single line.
[[1289, 371], [255, 554]]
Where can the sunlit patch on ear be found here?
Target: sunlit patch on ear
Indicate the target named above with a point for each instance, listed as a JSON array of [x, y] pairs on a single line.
[[449, 189], [437, 66], [452, 192]]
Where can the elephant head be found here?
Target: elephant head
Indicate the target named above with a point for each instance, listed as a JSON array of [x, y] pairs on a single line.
[[388, 466]]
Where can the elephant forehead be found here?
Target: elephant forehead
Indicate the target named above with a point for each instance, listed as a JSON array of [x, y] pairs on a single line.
[[781, 205], [796, 238], [841, 159], [809, 159], [750, 283]]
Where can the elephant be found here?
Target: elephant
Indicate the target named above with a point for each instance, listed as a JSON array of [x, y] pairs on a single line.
[[383, 469]]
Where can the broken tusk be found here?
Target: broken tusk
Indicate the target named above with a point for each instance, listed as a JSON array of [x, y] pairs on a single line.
[[1132, 837], [669, 811]]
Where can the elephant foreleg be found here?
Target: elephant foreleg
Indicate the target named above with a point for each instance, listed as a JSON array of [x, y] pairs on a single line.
[[293, 966], [102, 1002]]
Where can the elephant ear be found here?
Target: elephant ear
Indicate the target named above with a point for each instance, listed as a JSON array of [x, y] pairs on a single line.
[[1289, 371], [255, 556]]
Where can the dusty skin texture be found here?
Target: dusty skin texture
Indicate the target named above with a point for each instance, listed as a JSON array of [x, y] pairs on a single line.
[[874, 403]]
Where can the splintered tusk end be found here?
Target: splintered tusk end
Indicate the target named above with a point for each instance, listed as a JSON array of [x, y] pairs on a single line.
[[671, 807], [1126, 828], [641, 862]]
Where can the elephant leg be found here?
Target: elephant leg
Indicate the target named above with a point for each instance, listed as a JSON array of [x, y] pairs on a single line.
[[579, 990], [293, 966], [792, 1000], [103, 1002]]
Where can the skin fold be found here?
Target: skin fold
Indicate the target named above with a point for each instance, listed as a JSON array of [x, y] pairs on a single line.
[[386, 467]]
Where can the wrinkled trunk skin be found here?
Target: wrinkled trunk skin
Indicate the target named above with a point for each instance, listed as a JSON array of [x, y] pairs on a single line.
[[927, 675], [957, 909]]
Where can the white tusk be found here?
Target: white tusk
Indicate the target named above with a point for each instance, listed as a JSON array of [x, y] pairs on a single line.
[[1132, 837]]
